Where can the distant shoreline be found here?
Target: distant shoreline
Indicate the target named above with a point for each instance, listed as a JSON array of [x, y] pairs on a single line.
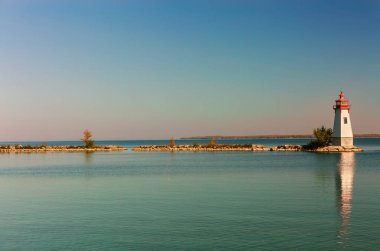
[[274, 136]]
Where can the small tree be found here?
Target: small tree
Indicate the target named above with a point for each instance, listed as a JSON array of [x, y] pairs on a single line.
[[323, 135], [87, 139], [212, 143], [323, 138], [172, 142]]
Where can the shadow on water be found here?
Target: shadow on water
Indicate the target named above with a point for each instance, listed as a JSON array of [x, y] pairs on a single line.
[[344, 187]]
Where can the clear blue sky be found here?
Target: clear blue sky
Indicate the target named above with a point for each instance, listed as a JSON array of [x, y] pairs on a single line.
[[152, 69]]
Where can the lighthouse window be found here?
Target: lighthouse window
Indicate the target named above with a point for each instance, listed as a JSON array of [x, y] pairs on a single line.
[[345, 120]]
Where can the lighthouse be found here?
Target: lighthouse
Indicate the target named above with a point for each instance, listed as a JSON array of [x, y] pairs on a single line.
[[342, 133]]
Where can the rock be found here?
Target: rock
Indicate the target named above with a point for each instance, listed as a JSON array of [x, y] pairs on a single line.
[[332, 149], [256, 148], [287, 148]]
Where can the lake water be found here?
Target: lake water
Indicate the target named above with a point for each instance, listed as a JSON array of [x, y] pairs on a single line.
[[192, 201]]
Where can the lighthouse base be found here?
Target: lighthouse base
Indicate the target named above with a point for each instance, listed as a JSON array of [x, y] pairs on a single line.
[[342, 141]]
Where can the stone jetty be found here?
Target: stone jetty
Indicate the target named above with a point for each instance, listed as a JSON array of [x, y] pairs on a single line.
[[57, 149], [240, 148], [334, 149], [287, 148], [201, 148]]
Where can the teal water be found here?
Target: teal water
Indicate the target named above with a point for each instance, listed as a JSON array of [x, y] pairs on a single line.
[[193, 201]]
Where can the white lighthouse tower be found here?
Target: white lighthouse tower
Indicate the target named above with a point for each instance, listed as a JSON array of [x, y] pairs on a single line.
[[342, 133]]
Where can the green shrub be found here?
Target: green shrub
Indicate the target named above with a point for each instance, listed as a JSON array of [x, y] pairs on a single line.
[[323, 135], [323, 138], [314, 144]]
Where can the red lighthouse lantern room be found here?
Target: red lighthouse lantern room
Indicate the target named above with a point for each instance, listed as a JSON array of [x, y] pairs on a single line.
[[342, 103]]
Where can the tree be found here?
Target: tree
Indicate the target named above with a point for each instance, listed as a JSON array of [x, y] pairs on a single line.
[[212, 143], [87, 139], [323, 138], [172, 142], [323, 135]]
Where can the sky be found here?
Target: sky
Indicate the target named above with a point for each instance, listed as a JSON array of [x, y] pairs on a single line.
[[139, 69]]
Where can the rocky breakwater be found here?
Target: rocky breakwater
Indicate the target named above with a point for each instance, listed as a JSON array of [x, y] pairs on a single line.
[[287, 148], [338, 149], [51, 149], [217, 148], [202, 148], [241, 148]]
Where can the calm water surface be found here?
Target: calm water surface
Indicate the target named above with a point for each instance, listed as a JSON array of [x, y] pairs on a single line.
[[194, 201]]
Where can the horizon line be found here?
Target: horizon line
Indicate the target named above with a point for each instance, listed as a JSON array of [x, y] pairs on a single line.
[[226, 137]]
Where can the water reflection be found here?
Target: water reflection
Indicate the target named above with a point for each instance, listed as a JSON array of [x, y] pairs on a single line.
[[88, 157], [344, 186]]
